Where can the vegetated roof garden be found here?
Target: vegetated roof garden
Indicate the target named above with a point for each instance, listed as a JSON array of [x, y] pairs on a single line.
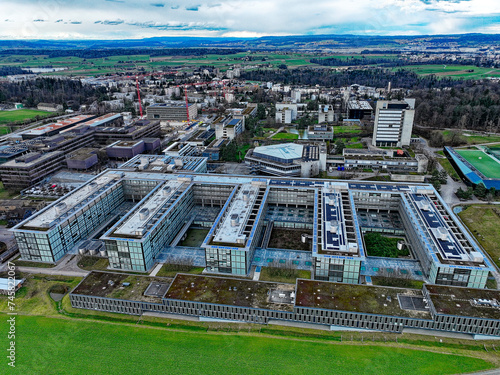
[[356, 298], [477, 303], [111, 285], [229, 291]]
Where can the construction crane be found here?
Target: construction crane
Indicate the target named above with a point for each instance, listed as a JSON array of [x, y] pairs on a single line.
[[138, 95], [184, 86]]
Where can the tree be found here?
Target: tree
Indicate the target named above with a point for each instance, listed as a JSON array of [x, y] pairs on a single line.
[[339, 147], [480, 190], [261, 112]]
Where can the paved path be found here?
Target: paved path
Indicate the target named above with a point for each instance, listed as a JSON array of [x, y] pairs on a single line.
[[52, 271], [156, 269], [276, 132]]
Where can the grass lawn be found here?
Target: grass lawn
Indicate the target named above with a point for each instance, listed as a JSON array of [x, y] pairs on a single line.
[[6, 194], [90, 263], [445, 163], [482, 161], [472, 138], [285, 136], [194, 237], [7, 117], [353, 129], [58, 346], [242, 151], [26, 263], [354, 145], [170, 270], [282, 275], [397, 282], [483, 221], [33, 298]]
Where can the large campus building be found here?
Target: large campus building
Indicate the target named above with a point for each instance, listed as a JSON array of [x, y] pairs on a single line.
[[326, 305], [172, 111], [288, 159], [146, 210], [393, 122]]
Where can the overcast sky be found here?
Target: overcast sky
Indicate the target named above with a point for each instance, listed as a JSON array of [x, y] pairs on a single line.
[[120, 19]]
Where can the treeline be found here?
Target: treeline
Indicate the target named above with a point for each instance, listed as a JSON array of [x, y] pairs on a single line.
[[464, 106], [51, 90], [10, 70], [394, 62], [100, 53], [368, 77]]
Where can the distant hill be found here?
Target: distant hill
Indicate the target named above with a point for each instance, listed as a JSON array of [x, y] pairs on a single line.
[[295, 42]]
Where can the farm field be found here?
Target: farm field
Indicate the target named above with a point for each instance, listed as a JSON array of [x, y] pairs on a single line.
[[7, 117], [96, 66], [453, 71], [482, 161], [60, 346]]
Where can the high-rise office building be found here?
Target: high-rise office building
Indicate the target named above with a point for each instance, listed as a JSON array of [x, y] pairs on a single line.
[[393, 122]]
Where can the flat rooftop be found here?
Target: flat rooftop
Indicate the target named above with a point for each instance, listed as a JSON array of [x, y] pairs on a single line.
[[476, 303], [30, 159], [448, 245], [61, 124], [231, 291], [230, 231], [334, 232], [357, 298], [111, 285], [359, 104], [103, 119], [136, 222], [288, 151], [67, 206]]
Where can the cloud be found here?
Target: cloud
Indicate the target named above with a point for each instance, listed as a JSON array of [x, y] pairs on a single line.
[[250, 18], [108, 22]]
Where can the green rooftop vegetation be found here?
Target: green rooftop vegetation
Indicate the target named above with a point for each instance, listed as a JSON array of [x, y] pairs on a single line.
[[227, 291], [356, 298], [114, 285]]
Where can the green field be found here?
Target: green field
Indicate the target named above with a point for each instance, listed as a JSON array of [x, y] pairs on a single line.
[[482, 161], [453, 71], [445, 163], [353, 129], [483, 221], [113, 64], [7, 117], [285, 136], [472, 138], [60, 346]]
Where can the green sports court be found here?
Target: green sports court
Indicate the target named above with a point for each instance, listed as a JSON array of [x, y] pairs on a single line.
[[483, 162]]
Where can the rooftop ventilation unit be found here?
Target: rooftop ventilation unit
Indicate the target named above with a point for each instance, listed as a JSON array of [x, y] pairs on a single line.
[[144, 213]]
